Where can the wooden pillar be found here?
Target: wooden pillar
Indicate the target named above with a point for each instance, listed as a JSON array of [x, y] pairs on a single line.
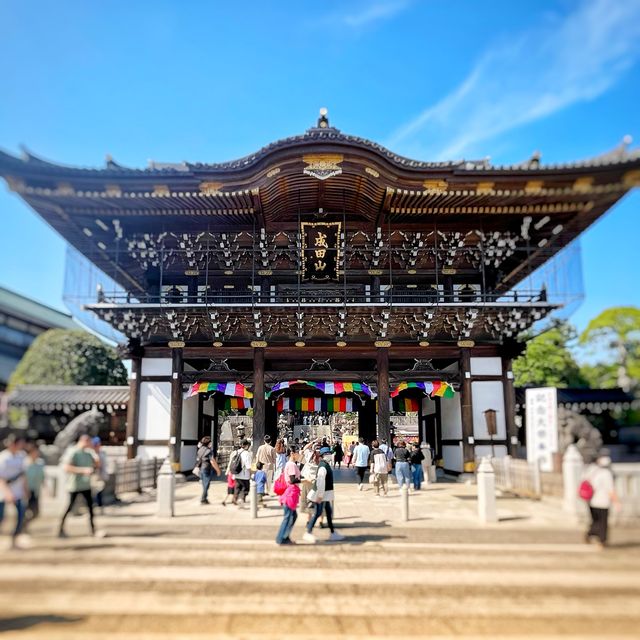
[[466, 407], [258, 397], [133, 408], [510, 406], [175, 417], [384, 427], [215, 438], [271, 420]]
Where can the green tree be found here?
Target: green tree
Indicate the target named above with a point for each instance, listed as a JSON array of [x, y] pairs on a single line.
[[61, 356], [547, 360], [614, 336]]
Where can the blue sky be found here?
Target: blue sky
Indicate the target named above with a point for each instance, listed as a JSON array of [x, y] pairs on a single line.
[[204, 81]]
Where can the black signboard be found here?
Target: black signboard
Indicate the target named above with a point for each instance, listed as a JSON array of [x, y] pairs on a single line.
[[320, 251]]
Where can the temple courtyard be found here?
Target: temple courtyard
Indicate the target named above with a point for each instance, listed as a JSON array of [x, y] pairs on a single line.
[[213, 571]]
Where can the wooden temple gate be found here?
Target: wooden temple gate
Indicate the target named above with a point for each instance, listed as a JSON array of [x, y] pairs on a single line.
[[323, 247]]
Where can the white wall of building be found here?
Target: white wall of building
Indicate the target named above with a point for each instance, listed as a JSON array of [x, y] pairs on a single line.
[[452, 457], [155, 451], [190, 418], [155, 404], [499, 451], [156, 366], [451, 418], [428, 406], [188, 457], [486, 366], [488, 395]]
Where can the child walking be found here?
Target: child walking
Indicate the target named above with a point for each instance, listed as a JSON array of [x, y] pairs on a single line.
[[231, 487], [260, 478]]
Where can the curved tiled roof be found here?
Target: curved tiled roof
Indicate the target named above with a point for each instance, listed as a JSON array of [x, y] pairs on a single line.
[[325, 136], [51, 395]]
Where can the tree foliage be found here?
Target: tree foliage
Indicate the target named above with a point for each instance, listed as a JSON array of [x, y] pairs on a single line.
[[614, 335], [548, 362], [71, 357]]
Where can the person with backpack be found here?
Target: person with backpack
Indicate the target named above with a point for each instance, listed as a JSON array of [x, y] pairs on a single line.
[[322, 496], [598, 489], [208, 465], [287, 487], [403, 467], [240, 466]]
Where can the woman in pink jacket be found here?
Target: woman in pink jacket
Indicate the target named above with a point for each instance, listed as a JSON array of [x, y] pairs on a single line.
[[289, 499]]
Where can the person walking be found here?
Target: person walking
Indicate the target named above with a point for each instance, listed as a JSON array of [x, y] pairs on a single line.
[[13, 483], [379, 468], [361, 461], [322, 495], [208, 467], [34, 472], [281, 456], [600, 477], [338, 454], [101, 475], [290, 498], [260, 478], [417, 473], [402, 458], [241, 470], [266, 455], [79, 462], [350, 449]]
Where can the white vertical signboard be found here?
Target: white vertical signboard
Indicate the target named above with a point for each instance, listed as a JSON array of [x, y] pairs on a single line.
[[542, 426]]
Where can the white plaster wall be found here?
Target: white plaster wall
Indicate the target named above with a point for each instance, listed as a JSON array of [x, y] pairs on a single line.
[[500, 451], [428, 407], [451, 418], [452, 457], [190, 418], [207, 407], [155, 403], [159, 452], [486, 366], [487, 395], [156, 366], [187, 457]]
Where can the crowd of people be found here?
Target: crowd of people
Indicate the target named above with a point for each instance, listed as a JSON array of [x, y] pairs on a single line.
[[22, 477], [299, 474]]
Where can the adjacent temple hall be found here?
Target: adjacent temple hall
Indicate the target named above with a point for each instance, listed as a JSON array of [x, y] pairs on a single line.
[[322, 272]]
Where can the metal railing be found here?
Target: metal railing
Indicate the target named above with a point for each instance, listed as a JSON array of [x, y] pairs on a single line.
[[136, 475], [319, 297]]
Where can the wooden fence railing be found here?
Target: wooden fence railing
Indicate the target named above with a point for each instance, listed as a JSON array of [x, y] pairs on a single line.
[[136, 475]]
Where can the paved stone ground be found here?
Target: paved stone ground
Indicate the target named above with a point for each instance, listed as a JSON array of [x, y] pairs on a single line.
[[214, 572]]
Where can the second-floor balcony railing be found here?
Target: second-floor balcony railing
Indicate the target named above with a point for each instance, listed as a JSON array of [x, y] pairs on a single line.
[[325, 297]]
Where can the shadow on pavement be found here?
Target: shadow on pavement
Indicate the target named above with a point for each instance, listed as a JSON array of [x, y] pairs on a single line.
[[26, 622]]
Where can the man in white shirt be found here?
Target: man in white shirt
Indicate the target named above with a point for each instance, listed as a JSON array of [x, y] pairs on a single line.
[[361, 461], [267, 455], [13, 482], [243, 476]]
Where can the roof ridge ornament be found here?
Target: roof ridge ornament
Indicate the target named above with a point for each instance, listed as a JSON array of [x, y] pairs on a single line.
[[323, 120]]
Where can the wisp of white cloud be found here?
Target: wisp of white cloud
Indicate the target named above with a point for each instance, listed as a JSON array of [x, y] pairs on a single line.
[[529, 77], [368, 13]]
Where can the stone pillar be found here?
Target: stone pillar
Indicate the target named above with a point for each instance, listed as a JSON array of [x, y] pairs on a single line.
[[175, 416], [487, 511], [258, 397], [510, 406], [133, 408], [466, 409], [166, 490], [384, 427]]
